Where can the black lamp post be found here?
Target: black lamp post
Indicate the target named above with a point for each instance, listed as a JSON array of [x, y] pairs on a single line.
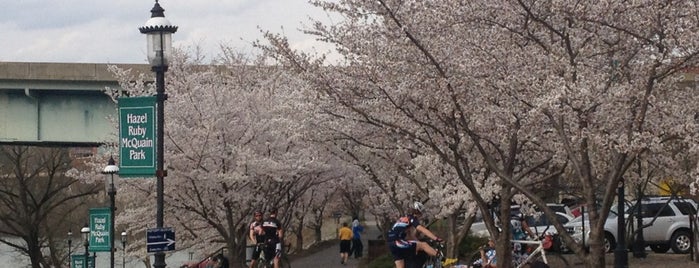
[[159, 32], [123, 248], [85, 231], [70, 245], [111, 169], [621, 258], [639, 243]]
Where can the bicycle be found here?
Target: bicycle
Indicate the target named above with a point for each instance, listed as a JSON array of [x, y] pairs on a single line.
[[422, 260], [263, 262], [520, 261]]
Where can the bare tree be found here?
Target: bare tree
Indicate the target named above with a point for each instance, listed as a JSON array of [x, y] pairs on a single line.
[[38, 202]]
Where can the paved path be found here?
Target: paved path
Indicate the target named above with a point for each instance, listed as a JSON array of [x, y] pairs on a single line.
[[330, 257]]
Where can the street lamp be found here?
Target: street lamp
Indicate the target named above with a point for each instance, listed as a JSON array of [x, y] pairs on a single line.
[[159, 32], [85, 231], [621, 258], [639, 243], [70, 245], [123, 248], [111, 169]]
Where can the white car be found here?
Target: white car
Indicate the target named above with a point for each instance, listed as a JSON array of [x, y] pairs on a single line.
[[539, 225], [668, 221]]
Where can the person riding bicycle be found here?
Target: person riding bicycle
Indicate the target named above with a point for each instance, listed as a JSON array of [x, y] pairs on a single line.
[[402, 237], [257, 236], [273, 236], [520, 231]]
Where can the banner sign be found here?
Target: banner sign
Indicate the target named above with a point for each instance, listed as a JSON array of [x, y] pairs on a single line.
[[137, 137], [100, 224], [78, 261]]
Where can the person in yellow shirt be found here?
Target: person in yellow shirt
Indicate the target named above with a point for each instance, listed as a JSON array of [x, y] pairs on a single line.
[[345, 235]]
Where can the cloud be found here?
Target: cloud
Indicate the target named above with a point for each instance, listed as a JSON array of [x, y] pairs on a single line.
[[107, 31]]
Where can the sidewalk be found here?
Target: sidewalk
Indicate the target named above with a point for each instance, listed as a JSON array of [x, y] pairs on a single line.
[[330, 256]]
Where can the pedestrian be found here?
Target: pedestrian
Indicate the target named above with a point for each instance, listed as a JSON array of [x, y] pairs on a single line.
[[357, 230], [345, 235], [488, 256]]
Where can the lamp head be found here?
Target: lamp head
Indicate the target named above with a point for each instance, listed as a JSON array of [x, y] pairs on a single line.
[[159, 32], [111, 167]]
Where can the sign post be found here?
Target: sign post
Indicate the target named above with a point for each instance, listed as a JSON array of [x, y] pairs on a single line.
[[100, 220], [137, 137]]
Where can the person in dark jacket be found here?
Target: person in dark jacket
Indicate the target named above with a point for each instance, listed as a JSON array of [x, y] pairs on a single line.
[[357, 246]]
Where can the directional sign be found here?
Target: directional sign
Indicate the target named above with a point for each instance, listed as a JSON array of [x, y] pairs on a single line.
[[160, 239]]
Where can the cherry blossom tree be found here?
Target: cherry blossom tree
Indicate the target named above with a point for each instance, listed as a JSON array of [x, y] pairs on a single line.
[[233, 146], [514, 94]]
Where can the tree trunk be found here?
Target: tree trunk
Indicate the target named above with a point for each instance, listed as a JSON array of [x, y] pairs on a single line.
[[299, 235], [318, 234]]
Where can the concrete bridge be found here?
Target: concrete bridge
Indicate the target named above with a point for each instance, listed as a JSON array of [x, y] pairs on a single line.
[[57, 104]]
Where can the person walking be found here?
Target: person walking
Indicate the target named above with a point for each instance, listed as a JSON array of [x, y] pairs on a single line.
[[357, 230], [345, 235]]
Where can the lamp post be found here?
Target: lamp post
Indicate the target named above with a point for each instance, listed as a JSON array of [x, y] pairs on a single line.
[[639, 243], [111, 169], [123, 248], [70, 245], [85, 231], [159, 32], [621, 258]]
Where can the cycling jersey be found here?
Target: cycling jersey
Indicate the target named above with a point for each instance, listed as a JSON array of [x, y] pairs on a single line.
[[399, 231], [271, 226], [258, 230]]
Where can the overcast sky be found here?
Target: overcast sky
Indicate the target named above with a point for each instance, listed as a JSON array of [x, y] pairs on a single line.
[[83, 31]]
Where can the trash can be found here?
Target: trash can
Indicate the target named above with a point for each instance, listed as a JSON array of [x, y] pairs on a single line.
[[376, 248]]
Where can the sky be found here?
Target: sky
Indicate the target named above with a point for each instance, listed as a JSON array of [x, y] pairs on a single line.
[[82, 31]]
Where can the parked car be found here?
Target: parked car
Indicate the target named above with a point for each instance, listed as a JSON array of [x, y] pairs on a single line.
[[539, 223], [668, 220]]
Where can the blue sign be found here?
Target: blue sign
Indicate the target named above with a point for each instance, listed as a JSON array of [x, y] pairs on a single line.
[[160, 239]]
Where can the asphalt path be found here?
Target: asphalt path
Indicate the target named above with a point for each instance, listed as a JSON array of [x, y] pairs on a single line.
[[330, 256]]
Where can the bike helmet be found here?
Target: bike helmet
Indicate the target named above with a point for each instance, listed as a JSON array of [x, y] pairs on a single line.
[[418, 207]]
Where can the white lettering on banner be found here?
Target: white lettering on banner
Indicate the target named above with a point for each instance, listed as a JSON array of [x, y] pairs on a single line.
[[136, 118], [136, 143], [137, 155], [137, 131]]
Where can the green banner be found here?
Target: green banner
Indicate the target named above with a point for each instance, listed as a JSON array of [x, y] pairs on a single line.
[[100, 224], [137, 137], [78, 261]]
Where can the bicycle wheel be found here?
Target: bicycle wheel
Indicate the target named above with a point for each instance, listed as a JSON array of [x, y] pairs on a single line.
[[284, 262], [262, 263], [432, 263]]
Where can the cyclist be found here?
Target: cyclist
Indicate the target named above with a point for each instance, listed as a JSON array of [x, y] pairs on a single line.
[[402, 237], [256, 235], [520, 231], [273, 236]]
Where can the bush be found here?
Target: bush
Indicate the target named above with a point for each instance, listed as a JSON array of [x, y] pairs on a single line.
[[469, 246], [385, 261]]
